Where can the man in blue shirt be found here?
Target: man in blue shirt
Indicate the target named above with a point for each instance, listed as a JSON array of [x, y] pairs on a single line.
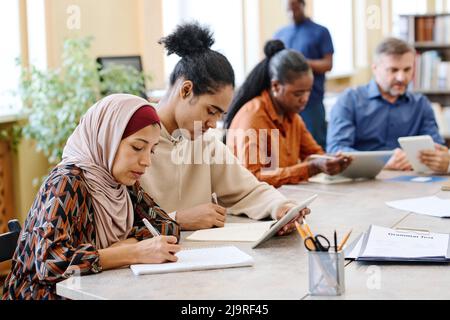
[[314, 42], [374, 116]]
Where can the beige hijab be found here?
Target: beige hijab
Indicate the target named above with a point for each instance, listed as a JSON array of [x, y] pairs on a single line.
[[92, 147]]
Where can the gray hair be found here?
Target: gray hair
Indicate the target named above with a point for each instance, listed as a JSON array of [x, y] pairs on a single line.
[[393, 47]]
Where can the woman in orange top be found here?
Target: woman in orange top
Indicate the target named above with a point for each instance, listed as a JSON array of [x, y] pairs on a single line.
[[265, 131]]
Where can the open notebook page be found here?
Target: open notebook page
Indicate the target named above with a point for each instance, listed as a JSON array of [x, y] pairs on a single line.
[[233, 232], [199, 259]]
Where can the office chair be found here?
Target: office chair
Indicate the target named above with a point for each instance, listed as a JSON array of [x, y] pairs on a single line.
[[8, 241]]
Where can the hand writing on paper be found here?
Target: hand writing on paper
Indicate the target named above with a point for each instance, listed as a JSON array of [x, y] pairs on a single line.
[[205, 216], [157, 250], [437, 160], [398, 162], [290, 227]]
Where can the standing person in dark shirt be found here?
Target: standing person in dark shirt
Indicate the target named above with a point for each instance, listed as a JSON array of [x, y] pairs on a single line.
[[314, 42]]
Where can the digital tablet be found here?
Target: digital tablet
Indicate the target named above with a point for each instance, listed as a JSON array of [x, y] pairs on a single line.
[[284, 221], [413, 146], [366, 164]]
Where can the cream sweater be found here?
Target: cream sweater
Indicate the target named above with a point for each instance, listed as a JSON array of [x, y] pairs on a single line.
[[185, 173]]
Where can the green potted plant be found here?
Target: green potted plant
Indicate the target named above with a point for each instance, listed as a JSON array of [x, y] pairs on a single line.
[[55, 100]]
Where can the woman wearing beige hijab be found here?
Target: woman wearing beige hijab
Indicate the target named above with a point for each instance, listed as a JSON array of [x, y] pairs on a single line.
[[87, 216]]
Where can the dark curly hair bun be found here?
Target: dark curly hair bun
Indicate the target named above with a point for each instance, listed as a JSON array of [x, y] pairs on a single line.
[[273, 47], [188, 40]]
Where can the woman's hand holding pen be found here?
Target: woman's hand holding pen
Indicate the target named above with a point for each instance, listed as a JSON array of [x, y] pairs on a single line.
[[156, 250], [205, 216], [290, 227]]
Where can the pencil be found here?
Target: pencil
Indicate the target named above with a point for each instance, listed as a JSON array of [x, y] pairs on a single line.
[[300, 231], [344, 241], [308, 230]]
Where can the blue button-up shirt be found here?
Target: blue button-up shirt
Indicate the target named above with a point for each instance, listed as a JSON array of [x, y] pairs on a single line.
[[362, 120], [314, 42]]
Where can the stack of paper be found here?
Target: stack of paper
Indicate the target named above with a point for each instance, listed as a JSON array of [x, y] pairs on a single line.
[[431, 206], [199, 259], [384, 244]]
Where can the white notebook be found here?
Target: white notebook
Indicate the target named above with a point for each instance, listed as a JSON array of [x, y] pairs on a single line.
[[199, 259], [233, 232], [251, 232]]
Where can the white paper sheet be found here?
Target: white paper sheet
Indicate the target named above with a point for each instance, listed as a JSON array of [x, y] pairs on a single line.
[[233, 232], [431, 206], [390, 243], [199, 259], [323, 178]]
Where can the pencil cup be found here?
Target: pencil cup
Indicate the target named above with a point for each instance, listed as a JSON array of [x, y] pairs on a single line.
[[326, 273]]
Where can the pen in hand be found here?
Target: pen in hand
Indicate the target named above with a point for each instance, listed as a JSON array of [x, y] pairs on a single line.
[[214, 197], [151, 228]]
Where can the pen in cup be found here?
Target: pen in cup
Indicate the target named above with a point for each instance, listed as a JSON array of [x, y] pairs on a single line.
[[151, 228], [335, 242], [344, 241]]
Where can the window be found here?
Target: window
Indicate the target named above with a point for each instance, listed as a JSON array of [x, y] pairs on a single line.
[[10, 72], [228, 32], [443, 6], [36, 33], [341, 29]]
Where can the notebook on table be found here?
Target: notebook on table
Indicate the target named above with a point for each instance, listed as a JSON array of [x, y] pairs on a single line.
[[233, 232], [199, 259], [257, 233]]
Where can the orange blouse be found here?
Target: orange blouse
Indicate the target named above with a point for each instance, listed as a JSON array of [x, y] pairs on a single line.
[[274, 155]]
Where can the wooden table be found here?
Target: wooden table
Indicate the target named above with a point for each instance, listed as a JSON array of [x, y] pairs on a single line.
[[280, 270]]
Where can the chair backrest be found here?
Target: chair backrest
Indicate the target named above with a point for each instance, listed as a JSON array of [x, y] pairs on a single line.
[[8, 241]]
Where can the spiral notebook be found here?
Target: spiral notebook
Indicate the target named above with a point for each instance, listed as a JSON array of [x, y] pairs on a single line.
[[199, 259]]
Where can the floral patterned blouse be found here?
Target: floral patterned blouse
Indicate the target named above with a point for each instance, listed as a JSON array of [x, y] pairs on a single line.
[[58, 237]]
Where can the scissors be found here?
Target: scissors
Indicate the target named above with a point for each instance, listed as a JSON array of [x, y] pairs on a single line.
[[317, 243]]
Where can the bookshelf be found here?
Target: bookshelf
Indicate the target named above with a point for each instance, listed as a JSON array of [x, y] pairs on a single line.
[[430, 35]]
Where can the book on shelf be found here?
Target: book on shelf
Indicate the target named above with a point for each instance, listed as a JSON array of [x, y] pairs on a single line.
[[432, 73], [427, 29]]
